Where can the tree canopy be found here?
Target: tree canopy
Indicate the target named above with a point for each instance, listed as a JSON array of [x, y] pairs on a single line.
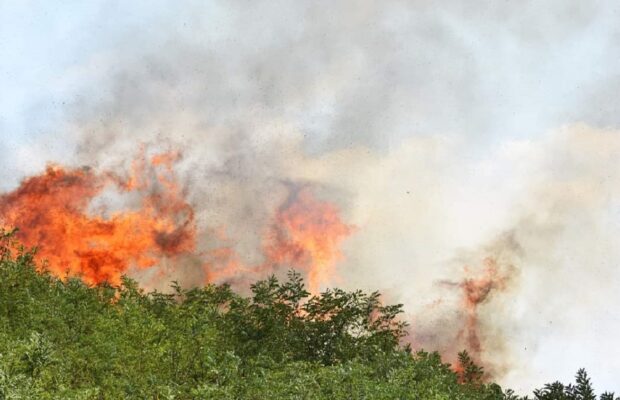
[[63, 339]]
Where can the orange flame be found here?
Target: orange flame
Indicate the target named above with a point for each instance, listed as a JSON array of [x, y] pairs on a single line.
[[52, 212], [307, 234]]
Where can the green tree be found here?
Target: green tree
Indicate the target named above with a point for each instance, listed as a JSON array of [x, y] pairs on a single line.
[[62, 339]]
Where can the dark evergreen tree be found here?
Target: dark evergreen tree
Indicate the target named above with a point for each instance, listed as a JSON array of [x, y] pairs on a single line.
[[552, 391], [583, 389]]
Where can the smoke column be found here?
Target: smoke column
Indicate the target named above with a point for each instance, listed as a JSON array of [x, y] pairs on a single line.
[[469, 153]]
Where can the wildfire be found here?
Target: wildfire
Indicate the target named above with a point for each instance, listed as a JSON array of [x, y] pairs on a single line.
[[459, 326], [53, 212], [475, 292], [476, 289], [307, 234]]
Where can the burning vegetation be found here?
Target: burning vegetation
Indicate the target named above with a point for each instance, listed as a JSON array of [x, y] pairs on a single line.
[[101, 225], [54, 212], [307, 233], [77, 234]]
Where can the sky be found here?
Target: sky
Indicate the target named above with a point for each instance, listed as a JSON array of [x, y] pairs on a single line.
[[498, 117], [489, 72]]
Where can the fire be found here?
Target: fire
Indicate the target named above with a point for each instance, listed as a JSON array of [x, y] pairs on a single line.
[[475, 290], [461, 322], [51, 211], [307, 234]]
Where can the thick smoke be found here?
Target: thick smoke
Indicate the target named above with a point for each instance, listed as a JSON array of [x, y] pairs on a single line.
[[448, 136], [428, 224]]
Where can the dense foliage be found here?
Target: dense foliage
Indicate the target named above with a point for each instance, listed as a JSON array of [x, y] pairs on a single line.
[[66, 340]]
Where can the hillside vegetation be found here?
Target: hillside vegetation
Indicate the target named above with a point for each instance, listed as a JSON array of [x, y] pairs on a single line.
[[66, 340]]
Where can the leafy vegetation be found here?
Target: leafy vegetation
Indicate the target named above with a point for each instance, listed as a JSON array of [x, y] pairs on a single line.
[[66, 340]]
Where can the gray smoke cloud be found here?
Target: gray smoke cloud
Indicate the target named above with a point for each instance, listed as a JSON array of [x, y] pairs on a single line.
[[545, 210], [446, 132]]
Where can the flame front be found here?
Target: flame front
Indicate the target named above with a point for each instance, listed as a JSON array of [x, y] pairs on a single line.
[[51, 211]]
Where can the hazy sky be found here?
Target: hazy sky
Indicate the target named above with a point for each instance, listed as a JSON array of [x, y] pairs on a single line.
[[484, 69], [456, 101], [41, 44]]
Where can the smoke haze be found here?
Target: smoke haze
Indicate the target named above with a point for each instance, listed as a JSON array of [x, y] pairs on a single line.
[[451, 135]]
